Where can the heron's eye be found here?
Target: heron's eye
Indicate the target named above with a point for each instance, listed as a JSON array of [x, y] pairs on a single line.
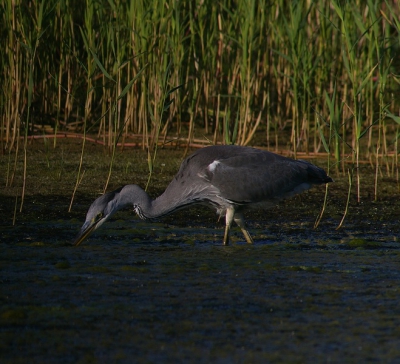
[[99, 216]]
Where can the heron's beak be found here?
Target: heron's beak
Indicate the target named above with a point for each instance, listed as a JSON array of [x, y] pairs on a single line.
[[87, 228]]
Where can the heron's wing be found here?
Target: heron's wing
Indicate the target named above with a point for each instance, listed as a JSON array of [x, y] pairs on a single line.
[[259, 176]]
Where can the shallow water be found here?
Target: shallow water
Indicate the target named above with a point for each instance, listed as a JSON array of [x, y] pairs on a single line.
[[169, 291]]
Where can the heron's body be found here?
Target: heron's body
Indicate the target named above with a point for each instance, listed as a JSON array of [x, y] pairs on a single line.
[[229, 178]]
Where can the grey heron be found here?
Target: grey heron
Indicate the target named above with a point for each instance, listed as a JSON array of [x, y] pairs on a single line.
[[229, 178]]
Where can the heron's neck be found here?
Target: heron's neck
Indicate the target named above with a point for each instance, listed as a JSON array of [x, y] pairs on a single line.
[[159, 207], [143, 204]]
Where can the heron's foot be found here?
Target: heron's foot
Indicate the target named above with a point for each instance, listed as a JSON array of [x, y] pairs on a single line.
[[239, 219], [226, 238], [248, 237], [230, 212]]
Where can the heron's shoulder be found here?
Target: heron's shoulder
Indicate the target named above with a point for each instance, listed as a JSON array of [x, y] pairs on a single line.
[[207, 161], [204, 160], [227, 152]]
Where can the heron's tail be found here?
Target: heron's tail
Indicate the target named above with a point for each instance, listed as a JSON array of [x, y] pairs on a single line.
[[317, 175]]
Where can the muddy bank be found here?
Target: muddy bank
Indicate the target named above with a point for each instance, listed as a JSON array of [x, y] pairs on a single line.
[[168, 291]]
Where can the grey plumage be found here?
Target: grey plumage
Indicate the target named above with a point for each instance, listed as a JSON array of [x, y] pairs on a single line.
[[229, 178]]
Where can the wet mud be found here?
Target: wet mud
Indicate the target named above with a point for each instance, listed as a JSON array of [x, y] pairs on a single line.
[[168, 291]]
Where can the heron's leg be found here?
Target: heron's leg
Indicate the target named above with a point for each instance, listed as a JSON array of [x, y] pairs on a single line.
[[230, 212], [239, 219]]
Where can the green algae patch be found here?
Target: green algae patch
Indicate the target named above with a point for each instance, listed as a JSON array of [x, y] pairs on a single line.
[[37, 243], [62, 265], [12, 315], [98, 269], [363, 244], [134, 269], [304, 268]]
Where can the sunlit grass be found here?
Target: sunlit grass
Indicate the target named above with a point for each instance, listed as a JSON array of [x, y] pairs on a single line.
[[72, 60]]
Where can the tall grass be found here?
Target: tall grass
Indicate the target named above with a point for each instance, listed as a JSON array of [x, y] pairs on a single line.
[[246, 52], [252, 72]]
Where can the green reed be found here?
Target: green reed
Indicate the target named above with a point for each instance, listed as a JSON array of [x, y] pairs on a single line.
[[286, 53], [251, 72]]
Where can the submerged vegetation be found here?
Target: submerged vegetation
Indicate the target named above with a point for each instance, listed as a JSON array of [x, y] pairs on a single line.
[[307, 76]]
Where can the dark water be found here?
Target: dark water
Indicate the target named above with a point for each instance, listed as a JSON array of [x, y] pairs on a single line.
[[168, 291]]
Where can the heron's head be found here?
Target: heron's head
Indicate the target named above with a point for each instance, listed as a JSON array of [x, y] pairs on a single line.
[[99, 212]]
